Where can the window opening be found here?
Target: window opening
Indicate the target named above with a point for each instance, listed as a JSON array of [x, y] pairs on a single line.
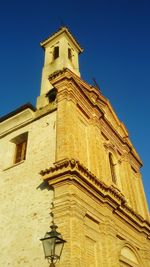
[[56, 52], [20, 151], [69, 53], [52, 95], [20, 147]]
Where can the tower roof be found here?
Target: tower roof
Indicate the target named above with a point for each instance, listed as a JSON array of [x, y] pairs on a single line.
[[57, 33]]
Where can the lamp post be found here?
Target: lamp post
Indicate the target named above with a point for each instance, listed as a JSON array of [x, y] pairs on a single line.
[[53, 245]]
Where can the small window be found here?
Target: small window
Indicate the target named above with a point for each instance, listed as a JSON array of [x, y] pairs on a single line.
[[52, 95], [20, 147], [112, 168], [69, 53], [56, 52], [20, 151]]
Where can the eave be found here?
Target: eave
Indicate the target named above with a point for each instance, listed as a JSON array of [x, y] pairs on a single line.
[[16, 111], [57, 33], [23, 116]]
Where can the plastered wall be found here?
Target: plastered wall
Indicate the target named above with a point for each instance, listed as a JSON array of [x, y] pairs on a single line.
[[25, 199]]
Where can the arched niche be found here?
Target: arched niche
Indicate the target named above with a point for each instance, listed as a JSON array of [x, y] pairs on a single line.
[[113, 158], [129, 257], [112, 166]]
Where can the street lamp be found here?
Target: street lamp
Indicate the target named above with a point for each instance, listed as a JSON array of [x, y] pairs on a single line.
[[53, 245]]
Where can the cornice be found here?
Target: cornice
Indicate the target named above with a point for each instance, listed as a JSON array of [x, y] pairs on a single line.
[[74, 166], [71, 171], [59, 32]]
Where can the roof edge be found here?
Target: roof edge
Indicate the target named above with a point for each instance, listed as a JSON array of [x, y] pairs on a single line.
[[18, 110], [55, 34]]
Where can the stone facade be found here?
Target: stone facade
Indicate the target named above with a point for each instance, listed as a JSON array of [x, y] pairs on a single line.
[[80, 158], [25, 200]]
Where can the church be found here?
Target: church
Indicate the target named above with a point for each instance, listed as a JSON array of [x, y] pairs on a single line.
[[70, 159]]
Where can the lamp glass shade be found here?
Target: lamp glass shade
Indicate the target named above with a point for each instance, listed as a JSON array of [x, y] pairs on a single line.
[[49, 246], [52, 245], [59, 247]]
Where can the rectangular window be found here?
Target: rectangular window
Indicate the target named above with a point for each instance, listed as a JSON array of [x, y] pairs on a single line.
[[20, 151], [69, 53], [56, 52], [20, 143]]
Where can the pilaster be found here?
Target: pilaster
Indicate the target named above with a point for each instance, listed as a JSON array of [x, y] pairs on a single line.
[[108, 237]]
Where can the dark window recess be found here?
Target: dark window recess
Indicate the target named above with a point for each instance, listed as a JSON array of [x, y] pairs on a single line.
[[52, 95], [69, 53], [56, 52], [21, 151], [112, 168], [20, 142]]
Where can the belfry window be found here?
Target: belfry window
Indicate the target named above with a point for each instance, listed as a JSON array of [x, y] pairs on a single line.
[[69, 53], [20, 147], [52, 95], [112, 168], [56, 52]]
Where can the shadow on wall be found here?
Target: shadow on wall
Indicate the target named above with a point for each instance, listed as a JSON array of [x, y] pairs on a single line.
[[44, 185]]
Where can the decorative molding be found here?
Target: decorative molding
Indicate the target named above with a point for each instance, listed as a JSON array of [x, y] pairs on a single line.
[[57, 79], [72, 171]]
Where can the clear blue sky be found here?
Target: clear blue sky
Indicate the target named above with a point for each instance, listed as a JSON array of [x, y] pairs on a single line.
[[115, 35]]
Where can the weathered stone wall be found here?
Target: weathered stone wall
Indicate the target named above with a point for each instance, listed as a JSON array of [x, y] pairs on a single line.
[[25, 199]]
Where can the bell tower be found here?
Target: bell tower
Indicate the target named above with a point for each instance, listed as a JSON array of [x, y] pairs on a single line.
[[61, 51]]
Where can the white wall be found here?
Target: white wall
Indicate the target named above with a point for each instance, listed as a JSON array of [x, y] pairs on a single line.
[[25, 201]]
